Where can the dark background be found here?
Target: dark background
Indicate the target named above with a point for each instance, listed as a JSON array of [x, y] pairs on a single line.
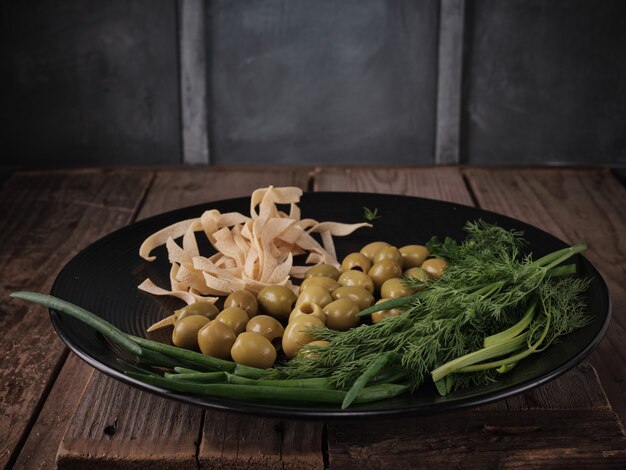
[[315, 82]]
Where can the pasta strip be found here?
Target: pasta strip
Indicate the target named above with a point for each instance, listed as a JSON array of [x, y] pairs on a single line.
[[252, 251]]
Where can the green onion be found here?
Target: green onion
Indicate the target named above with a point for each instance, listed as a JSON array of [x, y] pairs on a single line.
[[499, 349], [274, 393], [191, 357], [365, 377], [513, 331]]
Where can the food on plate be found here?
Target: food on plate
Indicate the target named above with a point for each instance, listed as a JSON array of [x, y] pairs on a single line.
[[488, 308], [380, 323], [253, 251]]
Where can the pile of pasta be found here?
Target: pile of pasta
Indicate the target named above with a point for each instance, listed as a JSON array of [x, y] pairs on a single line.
[[251, 251]]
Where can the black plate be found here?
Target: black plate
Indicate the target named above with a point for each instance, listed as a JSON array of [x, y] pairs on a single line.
[[103, 279]]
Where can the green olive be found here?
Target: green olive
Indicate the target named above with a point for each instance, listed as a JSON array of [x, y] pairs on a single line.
[[341, 314], [308, 308], [382, 314], [327, 283], [315, 294], [370, 250], [356, 261], [267, 326], [296, 334], [206, 309], [215, 339], [362, 297], [435, 267], [254, 350], [394, 288], [325, 270], [276, 301], [185, 334], [356, 279], [388, 252], [417, 273], [234, 317], [383, 270], [413, 255], [244, 300], [320, 343]]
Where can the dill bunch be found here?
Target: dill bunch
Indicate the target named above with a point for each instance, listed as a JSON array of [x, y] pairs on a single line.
[[488, 288]]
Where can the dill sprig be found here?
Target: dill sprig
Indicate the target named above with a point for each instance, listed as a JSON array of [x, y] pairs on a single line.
[[370, 215], [487, 288]]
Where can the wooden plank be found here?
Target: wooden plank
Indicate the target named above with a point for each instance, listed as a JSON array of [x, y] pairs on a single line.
[[440, 441], [192, 42], [230, 440], [489, 439], [444, 183], [578, 432], [40, 449], [575, 205], [113, 425], [173, 189], [233, 441], [449, 81], [82, 446], [47, 218]]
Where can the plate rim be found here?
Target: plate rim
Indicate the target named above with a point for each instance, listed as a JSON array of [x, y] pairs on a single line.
[[266, 409]]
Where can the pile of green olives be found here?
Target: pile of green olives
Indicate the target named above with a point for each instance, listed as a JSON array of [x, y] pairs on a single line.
[[238, 332], [334, 297], [252, 330]]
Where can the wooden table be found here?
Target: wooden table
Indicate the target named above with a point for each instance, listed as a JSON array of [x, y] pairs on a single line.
[[56, 410]]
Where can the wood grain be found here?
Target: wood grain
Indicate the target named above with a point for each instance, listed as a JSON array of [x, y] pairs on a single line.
[[112, 427], [47, 218], [574, 205], [577, 432], [448, 442], [526, 439], [232, 441], [566, 422], [81, 446], [444, 183], [40, 449], [173, 189]]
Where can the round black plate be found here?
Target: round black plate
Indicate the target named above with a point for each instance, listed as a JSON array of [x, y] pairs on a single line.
[[104, 276]]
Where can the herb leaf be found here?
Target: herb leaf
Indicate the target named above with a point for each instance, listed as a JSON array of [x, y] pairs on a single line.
[[371, 215]]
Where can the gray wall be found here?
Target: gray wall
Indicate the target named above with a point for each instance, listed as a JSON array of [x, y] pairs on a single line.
[[89, 83], [545, 82], [302, 81]]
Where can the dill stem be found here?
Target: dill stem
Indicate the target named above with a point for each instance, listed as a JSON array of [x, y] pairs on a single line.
[[392, 303], [489, 289], [485, 291]]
